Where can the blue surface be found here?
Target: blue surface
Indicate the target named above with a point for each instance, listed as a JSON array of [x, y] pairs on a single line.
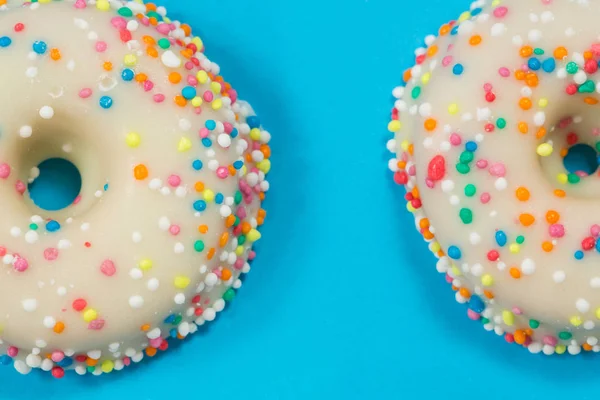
[[343, 301]]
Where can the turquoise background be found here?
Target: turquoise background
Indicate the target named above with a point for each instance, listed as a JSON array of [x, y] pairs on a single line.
[[343, 301]]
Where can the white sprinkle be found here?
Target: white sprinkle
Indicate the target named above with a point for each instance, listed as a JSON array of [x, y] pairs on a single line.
[[136, 273], [31, 237], [582, 305], [498, 29], [92, 35], [589, 325], [540, 118], [178, 248], [155, 184], [559, 276], [181, 191], [61, 291], [64, 244], [152, 284], [477, 269], [15, 231], [81, 23], [447, 185], [500, 184], [528, 266], [164, 223], [136, 237], [185, 124], [30, 305], [454, 200], [46, 112], [580, 77], [25, 131], [224, 140], [595, 282], [31, 72], [517, 40], [474, 238], [547, 16], [211, 279], [179, 298], [534, 35], [49, 322], [165, 191], [132, 25], [136, 301], [170, 59], [466, 27], [153, 333], [94, 354], [85, 226], [209, 314], [570, 32], [20, 365], [33, 360], [219, 305]]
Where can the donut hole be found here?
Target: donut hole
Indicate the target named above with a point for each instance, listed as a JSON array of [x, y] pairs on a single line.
[[581, 159], [57, 185]]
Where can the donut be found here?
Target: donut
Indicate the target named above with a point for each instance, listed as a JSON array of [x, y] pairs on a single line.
[[495, 138], [172, 170]]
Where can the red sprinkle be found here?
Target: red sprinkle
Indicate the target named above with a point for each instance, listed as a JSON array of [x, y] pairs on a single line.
[[437, 168], [79, 304]]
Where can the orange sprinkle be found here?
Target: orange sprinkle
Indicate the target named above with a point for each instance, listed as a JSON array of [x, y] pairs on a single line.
[[91, 362], [226, 274], [540, 133], [488, 294], [526, 219], [2, 2], [145, 327], [475, 40], [464, 292], [430, 124], [427, 235], [520, 336], [141, 77], [150, 351], [526, 51], [587, 55], [229, 221], [523, 127], [260, 221], [407, 75], [262, 213], [560, 193], [140, 172], [174, 77], [186, 29], [560, 53], [591, 101], [55, 54], [432, 51], [199, 186], [180, 100], [445, 29], [59, 327], [587, 347], [424, 223], [523, 193], [211, 253], [224, 239], [531, 79], [148, 40], [246, 227], [515, 272], [152, 52], [150, 7], [520, 75], [266, 150], [564, 152], [525, 103], [552, 217], [203, 228], [153, 21], [107, 66], [547, 247]]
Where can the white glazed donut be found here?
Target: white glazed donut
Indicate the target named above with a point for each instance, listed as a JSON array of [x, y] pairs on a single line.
[[173, 174], [483, 128]]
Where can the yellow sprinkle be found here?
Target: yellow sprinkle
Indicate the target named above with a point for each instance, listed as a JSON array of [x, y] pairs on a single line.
[[103, 5], [130, 60], [133, 139], [560, 349], [575, 320], [89, 315], [239, 250], [394, 126], [487, 280], [202, 77], [453, 109], [514, 248], [455, 270], [410, 208], [405, 145], [508, 317], [543, 102], [181, 282], [264, 165], [217, 104], [253, 235], [255, 134], [464, 16], [44, 1], [562, 178], [435, 247], [215, 87], [208, 195], [145, 264], [198, 42], [495, 2], [107, 366], [545, 149], [184, 144], [197, 101], [425, 78], [598, 313]]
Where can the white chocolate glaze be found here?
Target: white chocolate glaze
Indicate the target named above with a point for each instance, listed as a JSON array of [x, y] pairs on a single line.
[[482, 124], [173, 173]]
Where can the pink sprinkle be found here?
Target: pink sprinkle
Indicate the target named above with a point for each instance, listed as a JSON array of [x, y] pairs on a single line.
[[596, 49], [594, 230], [596, 131], [429, 183], [241, 212], [227, 127], [126, 361], [57, 356], [449, 278], [504, 72], [473, 315], [208, 96], [108, 268], [163, 28], [498, 170], [455, 139], [2, 251], [517, 311], [119, 22], [204, 132], [101, 46], [174, 180], [232, 95], [189, 65], [222, 172], [174, 230], [557, 230], [4, 170], [488, 87], [481, 164], [80, 4], [251, 255], [447, 61], [239, 264], [155, 342], [485, 198], [500, 12], [145, 21], [12, 351], [21, 264], [85, 93], [158, 98], [148, 85], [550, 340], [51, 254], [96, 324], [77, 199], [20, 186]]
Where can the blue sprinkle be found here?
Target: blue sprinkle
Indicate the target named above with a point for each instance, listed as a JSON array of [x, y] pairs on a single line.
[[127, 74], [106, 187], [454, 31], [40, 47], [188, 92], [206, 142], [5, 41], [501, 238], [65, 362], [458, 69], [476, 304], [534, 64], [471, 146], [578, 255], [218, 198], [234, 133], [197, 165], [5, 360], [598, 245], [210, 124], [253, 121], [239, 164], [475, 12], [199, 205], [173, 333], [106, 102], [454, 252], [170, 319], [52, 226], [549, 65]]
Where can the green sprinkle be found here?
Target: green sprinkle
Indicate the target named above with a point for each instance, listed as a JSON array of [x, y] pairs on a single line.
[[538, 52], [33, 227], [229, 294], [520, 239], [572, 68], [466, 216], [463, 168], [501, 123], [534, 324], [241, 239], [199, 246], [573, 178], [587, 87], [125, 12], [565, 335], [470, 190], [416, 92], [466, 157], [154, 14], [485, 321], [237, 221], [164, 43], [598, 146], [237, 198], [177, 320]]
